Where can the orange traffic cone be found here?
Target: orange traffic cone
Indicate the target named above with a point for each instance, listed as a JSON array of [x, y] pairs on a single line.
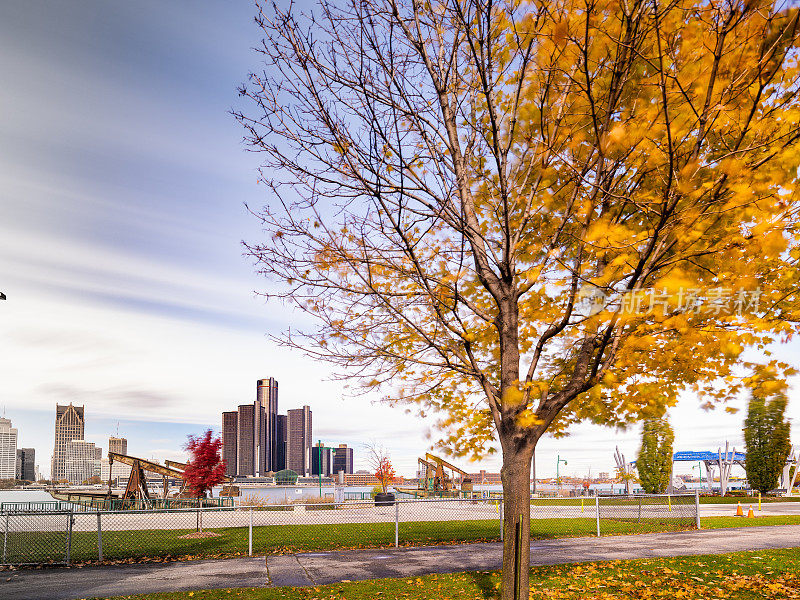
[[739, 512], [750, 514]]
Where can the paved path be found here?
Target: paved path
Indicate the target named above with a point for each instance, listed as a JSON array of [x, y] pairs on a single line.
[[330, 567]]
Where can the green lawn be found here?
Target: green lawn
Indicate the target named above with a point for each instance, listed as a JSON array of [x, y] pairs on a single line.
[[280, 539], [745, 499], [760, 575], [610, 501]]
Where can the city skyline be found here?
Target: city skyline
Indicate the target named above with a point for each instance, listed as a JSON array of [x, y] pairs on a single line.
[[127, 290]]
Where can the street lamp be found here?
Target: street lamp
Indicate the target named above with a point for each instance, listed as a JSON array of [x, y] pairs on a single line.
[[320, 448], [559, 460]]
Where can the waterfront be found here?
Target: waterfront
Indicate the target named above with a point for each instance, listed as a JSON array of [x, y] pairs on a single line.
[[270, 494]]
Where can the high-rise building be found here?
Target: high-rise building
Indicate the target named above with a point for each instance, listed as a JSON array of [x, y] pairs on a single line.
[[69, 426], [267, 398], [246, 440], [251, 441], [321, 455], [26, 461], [8, 450], [343, 459], [230, 424], [118, 445], [298, 440], [280, 443], [116, 471], [81, 460]]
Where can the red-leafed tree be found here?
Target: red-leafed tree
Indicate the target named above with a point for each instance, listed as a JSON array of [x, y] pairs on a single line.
[[385, 473], [379, 460], [205, 467]]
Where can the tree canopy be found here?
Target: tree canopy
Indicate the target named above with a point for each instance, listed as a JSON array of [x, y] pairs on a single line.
[[654, 462], [205, 467], [766, 435], [513, 216]]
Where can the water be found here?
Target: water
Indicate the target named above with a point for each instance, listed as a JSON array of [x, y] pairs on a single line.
[[25, 496], [286, 494]]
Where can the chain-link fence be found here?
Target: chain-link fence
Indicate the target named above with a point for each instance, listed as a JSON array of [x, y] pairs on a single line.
[[81, 536]]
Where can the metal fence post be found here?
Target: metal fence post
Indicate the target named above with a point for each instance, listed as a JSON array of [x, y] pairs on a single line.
[[250, 535], [396, 523], [99, 538], [69, 534], [640, 508], [697, 508], [597, 513], [501, 519], [5, 537]]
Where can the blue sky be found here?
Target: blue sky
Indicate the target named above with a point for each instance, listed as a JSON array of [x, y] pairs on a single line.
[[122, 185]]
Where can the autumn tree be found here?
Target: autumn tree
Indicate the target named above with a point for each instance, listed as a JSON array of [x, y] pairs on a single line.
[[513, 216], [205, 467], [379, 461], [654, 462], [766, 435]]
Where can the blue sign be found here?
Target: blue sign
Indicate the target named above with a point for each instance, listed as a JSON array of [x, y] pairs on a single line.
[[695, 456]]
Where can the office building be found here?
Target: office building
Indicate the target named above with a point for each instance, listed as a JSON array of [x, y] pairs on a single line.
[[26, 464], [343, 459], [69, 426], [118, 445], [279, 463], [251, 440], [117, 471], [267, 399], [81, 460], [8, 450], [323, 455], [230, 424], [298, 440], [246, 436]]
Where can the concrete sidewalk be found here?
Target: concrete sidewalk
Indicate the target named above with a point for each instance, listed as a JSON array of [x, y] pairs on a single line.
[[319, 568]]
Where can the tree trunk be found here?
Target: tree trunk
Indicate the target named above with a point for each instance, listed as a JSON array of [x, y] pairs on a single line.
[[516, 474]]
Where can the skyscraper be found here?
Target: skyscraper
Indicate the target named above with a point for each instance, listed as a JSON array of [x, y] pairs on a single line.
[[325, 455], [343, 459], [246, 440], [81, 460], [8, 450], [26, 457], [280, 443], [252, 443], [118, 445], [267, 398], [298, 440], [69, 426], [230, 424]]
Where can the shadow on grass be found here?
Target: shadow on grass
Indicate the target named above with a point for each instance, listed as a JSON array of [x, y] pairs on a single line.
[[485, 584]]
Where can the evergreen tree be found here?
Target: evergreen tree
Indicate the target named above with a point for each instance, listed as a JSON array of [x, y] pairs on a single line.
[[655, 456], [766, 435]]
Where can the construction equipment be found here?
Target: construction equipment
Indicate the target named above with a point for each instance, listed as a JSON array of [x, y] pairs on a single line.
[[434, 476], [137, 481]]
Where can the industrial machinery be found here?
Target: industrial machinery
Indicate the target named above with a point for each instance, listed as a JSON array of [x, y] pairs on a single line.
[[439, 477], [136, 494], [137, 481]]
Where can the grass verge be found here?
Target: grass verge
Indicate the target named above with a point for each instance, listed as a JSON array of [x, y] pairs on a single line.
[[758, 575], [158, 544]]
